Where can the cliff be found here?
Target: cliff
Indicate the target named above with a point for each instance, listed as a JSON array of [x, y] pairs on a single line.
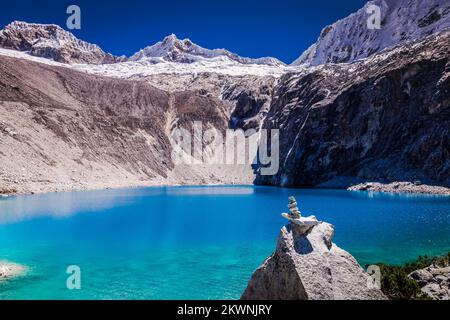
[[384, 119]]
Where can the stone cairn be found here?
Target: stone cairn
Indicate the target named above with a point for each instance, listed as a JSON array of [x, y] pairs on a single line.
[[301, 224], [293, 208]]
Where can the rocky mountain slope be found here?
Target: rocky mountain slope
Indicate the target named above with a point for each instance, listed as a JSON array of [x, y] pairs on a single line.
[[61, 129], [383, 119], [402, 21], [380, 120], [52, 42]]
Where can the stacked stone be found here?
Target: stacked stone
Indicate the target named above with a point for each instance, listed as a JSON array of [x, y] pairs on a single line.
[[293, 208]]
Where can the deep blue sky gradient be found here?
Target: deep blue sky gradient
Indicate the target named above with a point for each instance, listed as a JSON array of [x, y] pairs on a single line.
[[279, 28]]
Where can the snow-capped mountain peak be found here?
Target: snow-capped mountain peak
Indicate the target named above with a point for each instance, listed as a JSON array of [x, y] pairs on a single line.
[[185, 51], [52, 42], [402, 21]]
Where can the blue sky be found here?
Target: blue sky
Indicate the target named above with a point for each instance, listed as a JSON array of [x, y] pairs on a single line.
[[278, 28]]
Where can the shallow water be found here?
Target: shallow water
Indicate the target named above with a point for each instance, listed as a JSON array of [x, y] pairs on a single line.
[[195, 242]]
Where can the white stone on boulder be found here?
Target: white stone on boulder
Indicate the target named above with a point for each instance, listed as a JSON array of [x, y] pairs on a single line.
[[302, 223]]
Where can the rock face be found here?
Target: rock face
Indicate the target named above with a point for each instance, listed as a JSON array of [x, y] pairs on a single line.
[[52, 42], [384, 119], [402, 21], [434, 281], [309, 266]]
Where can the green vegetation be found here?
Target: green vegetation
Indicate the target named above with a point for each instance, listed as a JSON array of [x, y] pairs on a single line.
[[396, 284]]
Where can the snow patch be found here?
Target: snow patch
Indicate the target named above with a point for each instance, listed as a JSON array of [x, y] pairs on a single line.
[[152, 66]]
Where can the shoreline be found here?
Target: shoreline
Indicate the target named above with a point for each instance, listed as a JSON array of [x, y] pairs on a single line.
[[118, 186], [401, 187], [405, 188]]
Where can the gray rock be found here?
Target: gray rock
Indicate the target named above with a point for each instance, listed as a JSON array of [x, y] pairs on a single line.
[[308, 266], [434, 281], [422, 277]]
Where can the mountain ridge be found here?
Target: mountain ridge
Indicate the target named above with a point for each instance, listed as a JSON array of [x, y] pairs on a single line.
[[52, 42], [345, 41], [185, 51], [402, 21]]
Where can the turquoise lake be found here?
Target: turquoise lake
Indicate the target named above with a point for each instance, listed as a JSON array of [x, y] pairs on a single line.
[[195, 242]]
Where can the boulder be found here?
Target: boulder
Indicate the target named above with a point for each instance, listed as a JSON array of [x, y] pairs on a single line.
[[434, 281], [309, 266], [10, 270]]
